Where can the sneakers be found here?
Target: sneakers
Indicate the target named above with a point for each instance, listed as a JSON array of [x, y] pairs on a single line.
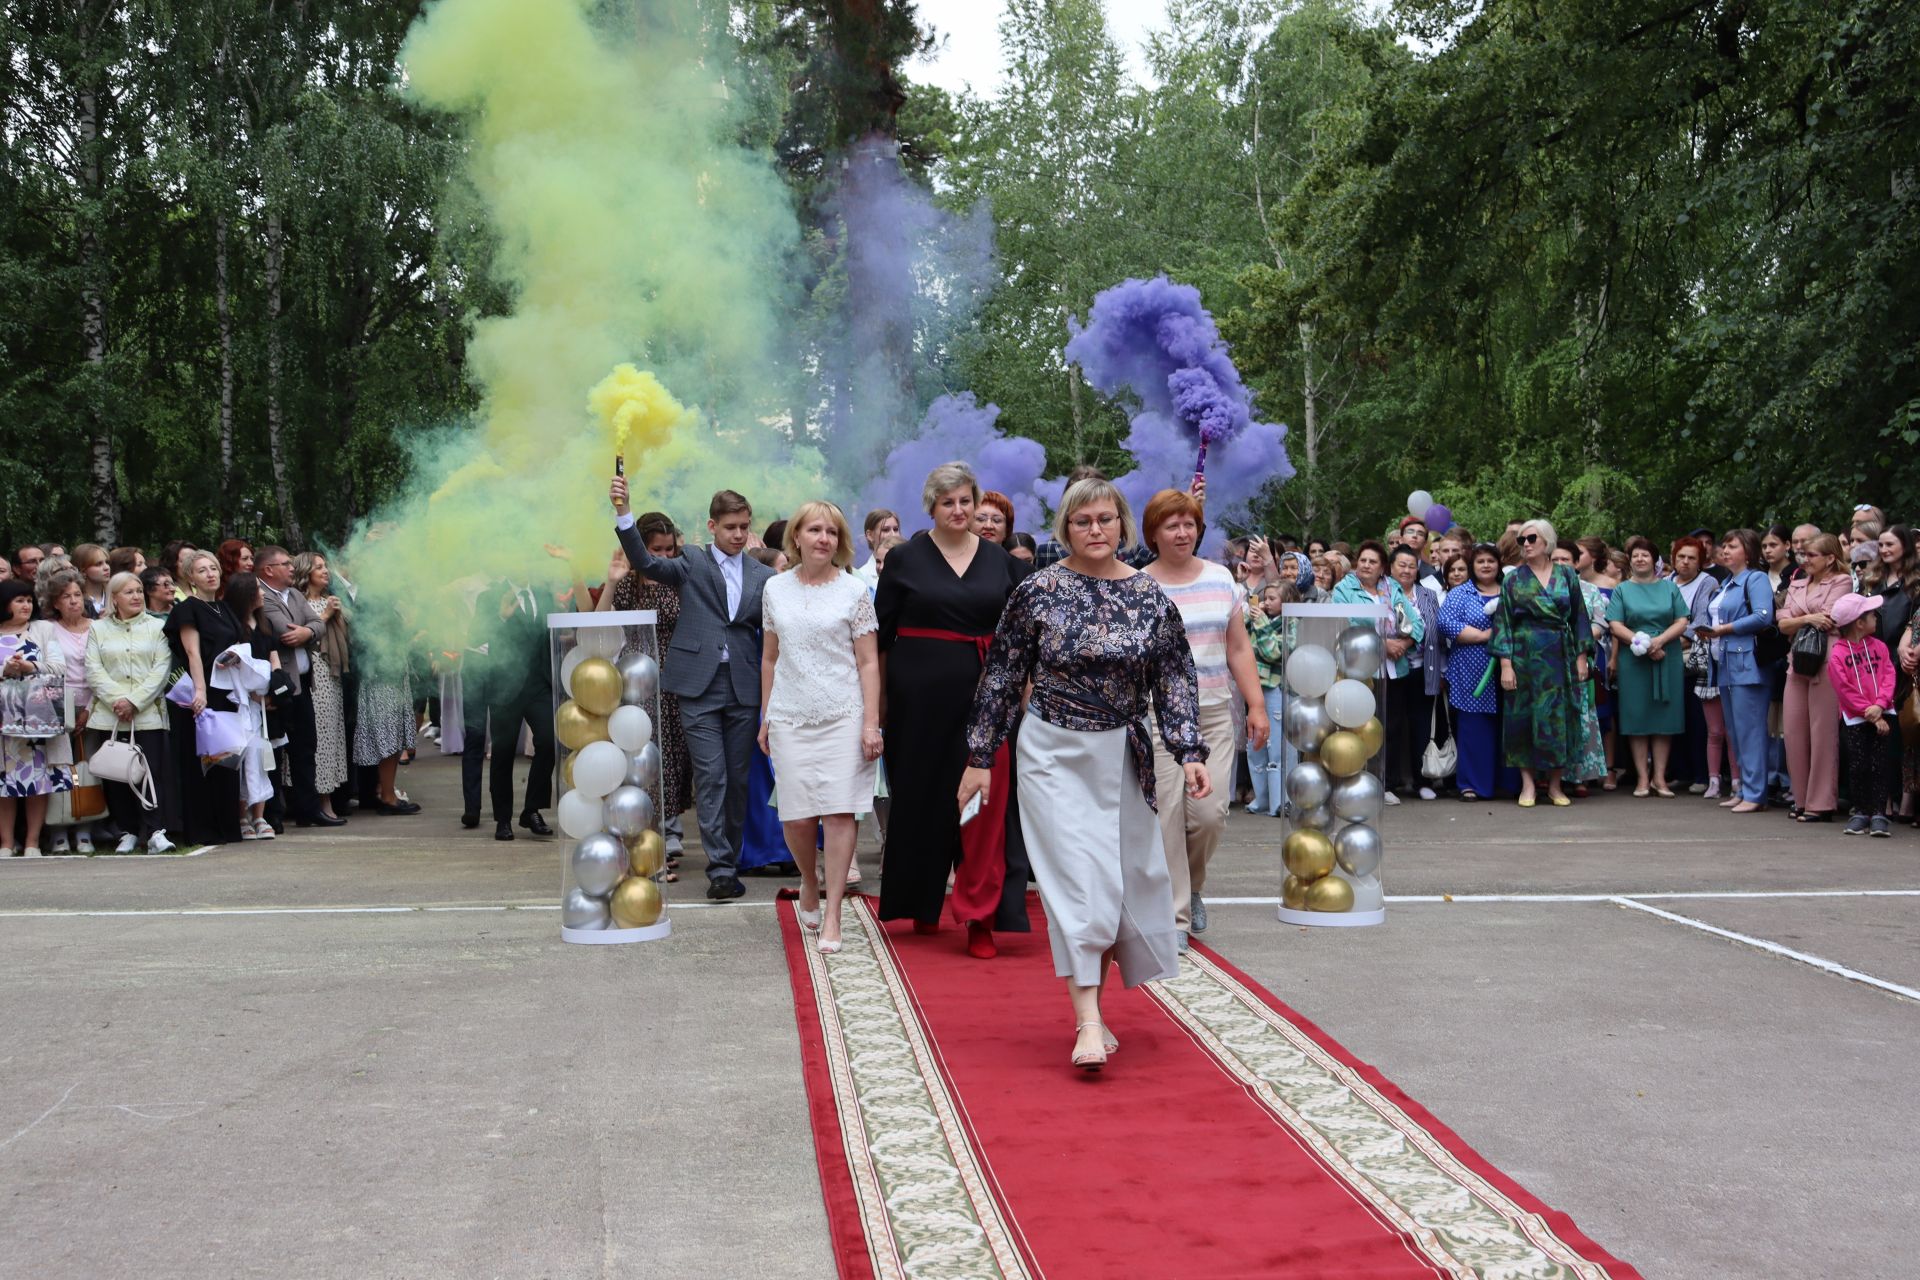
[[59, 842], [1857, 825], [1392, 798], [1880, 826], [158, 843], [1696, 788], [1427, 793], [128, 843], [83, 842], [1197, 909], [1713, 788]]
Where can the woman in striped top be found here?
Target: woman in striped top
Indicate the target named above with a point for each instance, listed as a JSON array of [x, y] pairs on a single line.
[[1205, 595]]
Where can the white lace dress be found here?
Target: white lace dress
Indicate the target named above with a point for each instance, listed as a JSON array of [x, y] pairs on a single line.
[[815, 710]]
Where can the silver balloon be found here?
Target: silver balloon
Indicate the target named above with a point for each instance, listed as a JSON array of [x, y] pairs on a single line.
[[582, 912], [1318, 818], [1357, 847], [639, 680], [1359, 798], [1305, 722], [643, 767], [1361, 651], [1308, 785], [598, 863], [629, 811]]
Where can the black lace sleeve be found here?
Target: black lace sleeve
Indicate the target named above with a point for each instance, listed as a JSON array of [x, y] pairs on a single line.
[[1010, 663]]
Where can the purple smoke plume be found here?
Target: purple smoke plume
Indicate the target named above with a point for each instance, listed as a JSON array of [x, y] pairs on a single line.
[[1152, 338], [959, 429]]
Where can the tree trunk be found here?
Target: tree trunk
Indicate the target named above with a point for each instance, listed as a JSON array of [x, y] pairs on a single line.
[[224, 306], [1310, 415], [93, 316], [276, 446]]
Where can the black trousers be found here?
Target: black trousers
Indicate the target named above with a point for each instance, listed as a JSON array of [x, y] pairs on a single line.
[[1867, 773], [125, 808], [293, 785], [1407, 710], [534, 707]]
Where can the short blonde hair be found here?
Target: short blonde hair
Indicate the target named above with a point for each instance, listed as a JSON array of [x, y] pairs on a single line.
[[842, 554], [1544, 527], [124, 579], [1083, 492], [188, 559], [945, 478]]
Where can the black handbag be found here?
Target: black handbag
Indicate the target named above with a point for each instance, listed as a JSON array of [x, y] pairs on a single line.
[[1809, 651]]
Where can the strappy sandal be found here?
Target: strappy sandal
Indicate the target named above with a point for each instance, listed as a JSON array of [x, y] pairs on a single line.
[[1091, 1062]]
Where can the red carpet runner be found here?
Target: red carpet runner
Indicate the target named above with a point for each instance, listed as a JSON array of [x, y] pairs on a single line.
[[1227, 1138]]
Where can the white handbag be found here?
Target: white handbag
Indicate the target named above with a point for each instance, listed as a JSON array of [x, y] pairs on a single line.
[[1439, 760], [123, 761]]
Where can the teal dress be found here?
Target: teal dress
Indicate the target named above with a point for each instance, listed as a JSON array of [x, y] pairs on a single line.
[[1650, 695], [1543, 631]]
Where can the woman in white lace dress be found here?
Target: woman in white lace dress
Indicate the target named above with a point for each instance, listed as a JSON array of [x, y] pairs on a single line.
[[820, 702]]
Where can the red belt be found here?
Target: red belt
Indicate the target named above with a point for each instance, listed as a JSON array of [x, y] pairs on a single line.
[[929, 633]]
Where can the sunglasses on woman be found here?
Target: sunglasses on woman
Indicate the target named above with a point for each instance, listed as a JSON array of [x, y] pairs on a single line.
[[1528, 539]]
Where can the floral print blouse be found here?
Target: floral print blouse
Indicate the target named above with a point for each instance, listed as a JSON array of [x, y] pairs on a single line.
[[1096, 650]]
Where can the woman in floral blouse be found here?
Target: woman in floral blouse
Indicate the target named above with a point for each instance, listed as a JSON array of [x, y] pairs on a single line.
[[1097, 640]]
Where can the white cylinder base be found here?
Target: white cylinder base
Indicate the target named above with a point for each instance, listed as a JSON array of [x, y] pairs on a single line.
[[603, 937], [1331, 919]]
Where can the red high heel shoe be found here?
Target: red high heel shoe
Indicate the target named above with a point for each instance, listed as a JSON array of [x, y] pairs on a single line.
[[980, 942]]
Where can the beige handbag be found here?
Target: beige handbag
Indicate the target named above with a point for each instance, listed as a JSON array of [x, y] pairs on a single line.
[[116, 760]]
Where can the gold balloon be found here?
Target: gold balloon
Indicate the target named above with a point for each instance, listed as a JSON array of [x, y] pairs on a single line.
[[1307, 853], [596, 686], [1293, 894], [566, 772], [636, 902], [1330, 894], [1374, 735], [575, 726], [647, 852], [1343, 753]]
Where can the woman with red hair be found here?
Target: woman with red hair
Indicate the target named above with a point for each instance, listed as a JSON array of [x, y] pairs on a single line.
[[993, 518], [235, 556]]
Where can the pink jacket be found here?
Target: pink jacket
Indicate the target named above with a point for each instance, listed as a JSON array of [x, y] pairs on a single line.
[[1862, 675]]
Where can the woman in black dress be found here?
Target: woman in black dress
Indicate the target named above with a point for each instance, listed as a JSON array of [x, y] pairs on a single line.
[[201, 628], [939, 601]]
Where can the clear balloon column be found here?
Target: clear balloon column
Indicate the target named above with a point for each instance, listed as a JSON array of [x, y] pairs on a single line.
[[1332, 655], [606, 691]]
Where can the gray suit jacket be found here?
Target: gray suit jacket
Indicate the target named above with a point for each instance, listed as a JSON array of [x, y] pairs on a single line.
[[295, 611], [704, 627]]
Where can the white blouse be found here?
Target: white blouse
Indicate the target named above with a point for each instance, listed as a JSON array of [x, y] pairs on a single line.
[[815, 677]]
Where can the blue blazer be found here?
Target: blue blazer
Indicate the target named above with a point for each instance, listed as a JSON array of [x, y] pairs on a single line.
[[1746, 601]]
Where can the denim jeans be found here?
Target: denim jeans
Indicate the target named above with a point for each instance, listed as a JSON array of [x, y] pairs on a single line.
[[1269, 764]]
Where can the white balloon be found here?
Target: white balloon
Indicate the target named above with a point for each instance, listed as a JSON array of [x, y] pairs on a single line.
[[1417, 504], [575, 656], [1310, 671], [598, 769], [600, 642], [581, 814], [1349, 702], [631, 728]]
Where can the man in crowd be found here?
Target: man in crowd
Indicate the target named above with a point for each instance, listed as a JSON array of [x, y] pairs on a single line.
[[293, 623], [26, 562], [506, 678]]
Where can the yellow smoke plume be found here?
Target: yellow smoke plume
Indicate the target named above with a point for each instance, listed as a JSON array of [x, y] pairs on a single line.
[[631, 229]]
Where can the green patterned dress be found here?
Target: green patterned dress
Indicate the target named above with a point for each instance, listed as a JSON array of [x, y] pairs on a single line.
[[1544, 631]]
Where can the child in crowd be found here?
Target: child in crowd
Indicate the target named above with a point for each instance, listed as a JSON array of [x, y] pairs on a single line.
[[1861, 670]]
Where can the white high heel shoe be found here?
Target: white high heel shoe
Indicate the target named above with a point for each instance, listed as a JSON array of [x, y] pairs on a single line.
[[810, 920], [828, 948]]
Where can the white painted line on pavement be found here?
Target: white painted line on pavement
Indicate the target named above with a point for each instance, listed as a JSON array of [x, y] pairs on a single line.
[[1421, 898], [1774, 948]]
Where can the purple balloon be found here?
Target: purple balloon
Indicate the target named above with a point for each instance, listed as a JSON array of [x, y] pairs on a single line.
[[1439, 519]]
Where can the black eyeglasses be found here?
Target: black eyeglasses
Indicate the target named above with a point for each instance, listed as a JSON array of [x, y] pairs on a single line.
[[1528, 539]]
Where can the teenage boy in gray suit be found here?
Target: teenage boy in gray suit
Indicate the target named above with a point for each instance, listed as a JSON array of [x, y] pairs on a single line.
[[714, 666]]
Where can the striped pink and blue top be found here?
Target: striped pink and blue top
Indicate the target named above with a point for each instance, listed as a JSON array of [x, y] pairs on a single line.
[[1205, 606]]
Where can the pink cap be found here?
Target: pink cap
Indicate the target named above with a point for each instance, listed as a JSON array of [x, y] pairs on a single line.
[[1848, 608]]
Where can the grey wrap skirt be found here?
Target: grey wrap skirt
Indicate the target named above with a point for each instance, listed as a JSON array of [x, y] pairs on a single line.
[[1096, 851]]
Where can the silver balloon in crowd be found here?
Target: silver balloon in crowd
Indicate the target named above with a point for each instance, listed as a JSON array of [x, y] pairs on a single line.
[[598, 863], [1357, 848], [643, 767], [1308, 785], [629, 811], [1318, 818], [1361, 651], [582, 912], [1359, 798], [639, 680], [1305, 722]]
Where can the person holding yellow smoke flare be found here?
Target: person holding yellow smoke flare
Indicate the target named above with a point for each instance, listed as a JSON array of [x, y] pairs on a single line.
[[642, 415]]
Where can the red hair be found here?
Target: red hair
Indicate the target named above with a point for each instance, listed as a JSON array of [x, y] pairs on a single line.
[[228, 555], [1164, 506]]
